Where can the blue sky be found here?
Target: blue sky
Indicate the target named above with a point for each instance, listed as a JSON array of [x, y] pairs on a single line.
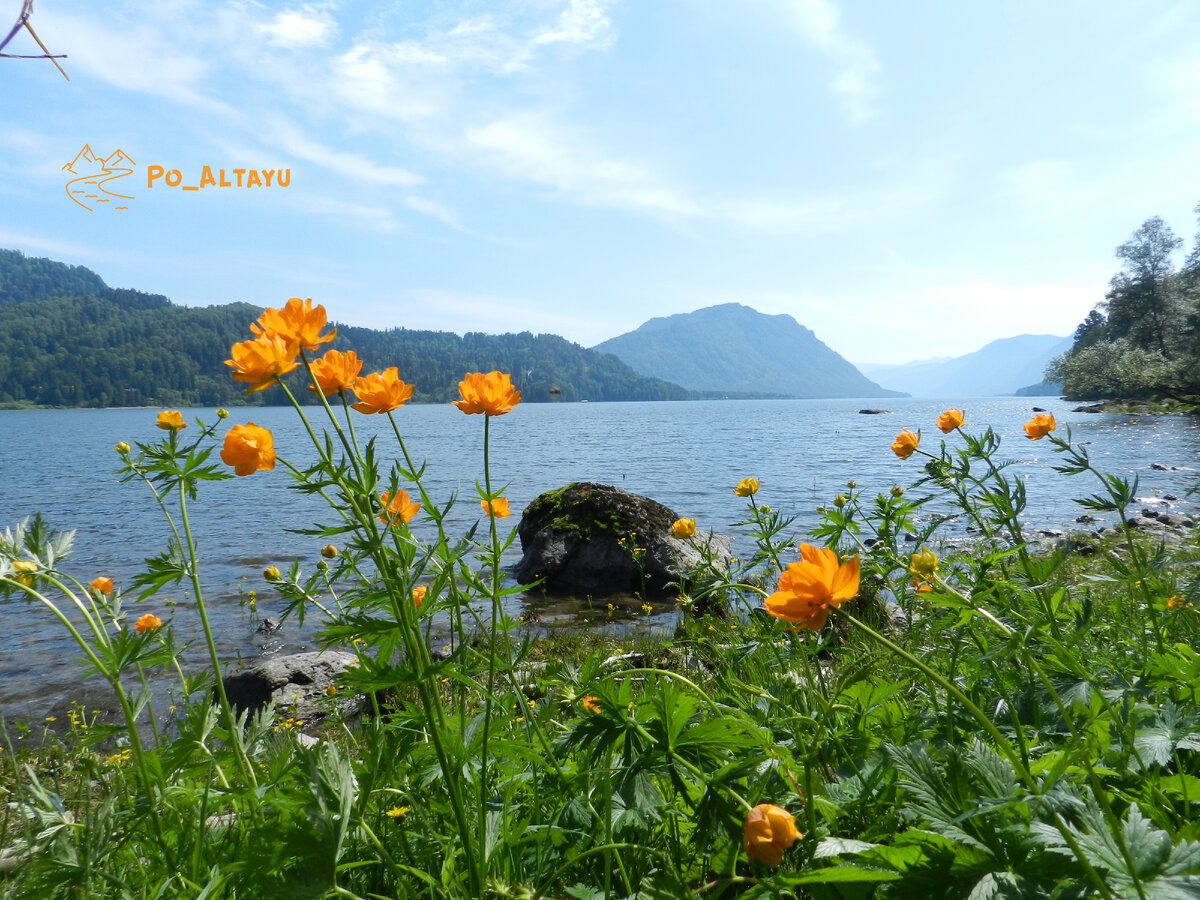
[[908, 180]]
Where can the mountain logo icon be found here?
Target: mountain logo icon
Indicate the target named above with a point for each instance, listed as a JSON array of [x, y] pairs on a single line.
[[92, 187]]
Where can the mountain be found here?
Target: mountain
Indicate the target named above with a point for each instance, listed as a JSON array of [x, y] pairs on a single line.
[[1003, 367], [734, 348], [68, 339]]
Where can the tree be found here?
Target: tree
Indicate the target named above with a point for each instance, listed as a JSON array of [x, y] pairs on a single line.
[[1140, 301]]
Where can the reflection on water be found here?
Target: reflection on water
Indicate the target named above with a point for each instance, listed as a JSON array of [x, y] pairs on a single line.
[[687, 456]]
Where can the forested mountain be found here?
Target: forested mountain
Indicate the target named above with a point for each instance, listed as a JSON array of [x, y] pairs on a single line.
[[731, 347], [67, 339], [1143, 340]]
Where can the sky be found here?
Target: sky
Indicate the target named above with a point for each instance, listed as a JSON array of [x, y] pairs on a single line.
[[909, 180]]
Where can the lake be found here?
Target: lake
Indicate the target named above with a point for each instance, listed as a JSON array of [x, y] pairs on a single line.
[[686, 455]]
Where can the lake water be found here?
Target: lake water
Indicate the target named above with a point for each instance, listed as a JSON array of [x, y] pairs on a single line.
[[686, 455]]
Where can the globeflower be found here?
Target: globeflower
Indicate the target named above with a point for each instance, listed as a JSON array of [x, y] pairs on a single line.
[[1039, 426], [381, 392], [397, 509], [101, 585], [591, 705], [767, 832], [148, 622], [298, 322], [418, 594], [271, 573], [491, 394], [122, 448], [170, 420], [683, 528], [809, 588], [497, 508], [747, 487], [923, 565], [261, 361], [335, 372], [23, 569], [248, 448], [906, 443], [950, 419]]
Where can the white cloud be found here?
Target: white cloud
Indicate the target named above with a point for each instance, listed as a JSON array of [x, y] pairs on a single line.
[[282, 134], [583, 23], [309, 26], [137, 56], [858, 70], [529, 147]]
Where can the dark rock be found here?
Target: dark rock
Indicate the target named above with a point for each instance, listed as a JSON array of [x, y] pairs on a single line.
[[582, 540], [874, 412], [298, 684], [268, 626], [1090, 408], [1038, 409]]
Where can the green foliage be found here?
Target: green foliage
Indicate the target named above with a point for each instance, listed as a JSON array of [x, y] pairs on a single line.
[[1143, 340]]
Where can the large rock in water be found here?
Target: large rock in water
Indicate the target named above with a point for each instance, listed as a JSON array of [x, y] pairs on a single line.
[[581, 540], [297, 684]]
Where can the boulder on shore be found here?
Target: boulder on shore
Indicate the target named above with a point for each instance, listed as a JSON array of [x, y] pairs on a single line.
[[298, 684], [596, 540]]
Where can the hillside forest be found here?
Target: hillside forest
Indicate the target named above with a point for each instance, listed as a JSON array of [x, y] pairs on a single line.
[[67, 339]]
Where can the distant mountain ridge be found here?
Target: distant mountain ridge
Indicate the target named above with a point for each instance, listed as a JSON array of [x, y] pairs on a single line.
[[1001, 368], [731, 347]]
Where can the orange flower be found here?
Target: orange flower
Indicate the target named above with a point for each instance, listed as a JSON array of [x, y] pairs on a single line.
[[148, 622], [497, 508], [591, 705], [683, 528], [381, 392], [809, 588], [950, 419], [767, 832], [260, 361], [299, 322], [397, 509], [906, 443], [418, 594], [747, 487], [335, 372], [101, 585], [1039, 426], [248, 448], [491, 394], [170, 420]]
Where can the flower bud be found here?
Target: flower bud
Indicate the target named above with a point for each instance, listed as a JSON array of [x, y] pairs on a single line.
[[122, 448], [329, 551], [322, 566], [839, 501], [222, 413], [852, 484], [897, 491], [271, 573]]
